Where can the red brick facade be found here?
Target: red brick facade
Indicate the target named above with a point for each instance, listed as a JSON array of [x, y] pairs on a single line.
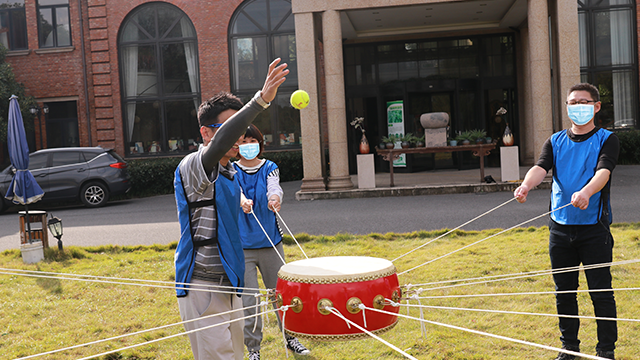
[[57, 74]]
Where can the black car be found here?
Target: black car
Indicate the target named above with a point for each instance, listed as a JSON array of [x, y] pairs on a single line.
[[91, 174]]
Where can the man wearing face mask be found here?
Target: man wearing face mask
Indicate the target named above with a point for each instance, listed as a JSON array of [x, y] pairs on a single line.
[[582, 158]]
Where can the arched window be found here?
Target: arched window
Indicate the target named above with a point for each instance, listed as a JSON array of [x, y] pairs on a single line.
[[260, 31], [160, 82], [608, 58]]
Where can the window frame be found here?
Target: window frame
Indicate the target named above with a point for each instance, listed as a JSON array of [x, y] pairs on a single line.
[[54, 24], [591, 72], [269, 34], [12, 31], [162, 98]]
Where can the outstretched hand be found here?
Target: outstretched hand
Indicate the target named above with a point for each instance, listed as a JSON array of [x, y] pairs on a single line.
[[275, 78]]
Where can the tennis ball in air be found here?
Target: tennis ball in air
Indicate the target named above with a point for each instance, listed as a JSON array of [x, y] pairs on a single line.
[[299, 99]]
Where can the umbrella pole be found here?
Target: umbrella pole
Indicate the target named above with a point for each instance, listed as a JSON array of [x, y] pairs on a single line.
[[26, 210]]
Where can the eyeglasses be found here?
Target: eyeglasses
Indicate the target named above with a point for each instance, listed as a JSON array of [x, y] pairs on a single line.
[[580, 102], [215, 126]]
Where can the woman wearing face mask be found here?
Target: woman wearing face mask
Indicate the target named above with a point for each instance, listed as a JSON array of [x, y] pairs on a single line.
[[260, 183]]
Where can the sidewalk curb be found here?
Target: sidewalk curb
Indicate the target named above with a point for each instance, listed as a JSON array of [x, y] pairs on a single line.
[[413, 191]]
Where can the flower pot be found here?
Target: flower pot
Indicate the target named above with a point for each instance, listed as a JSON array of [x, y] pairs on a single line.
[[390, 145], [465, 142], [420, 144], [480, 141], [382, 145], [488, 140], [453, 142], [405, 144], [364, 145]]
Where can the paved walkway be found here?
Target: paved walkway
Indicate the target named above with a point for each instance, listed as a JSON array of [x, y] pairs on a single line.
[[434, 182]]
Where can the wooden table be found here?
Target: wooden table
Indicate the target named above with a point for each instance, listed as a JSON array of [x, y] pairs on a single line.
[[480, 150]]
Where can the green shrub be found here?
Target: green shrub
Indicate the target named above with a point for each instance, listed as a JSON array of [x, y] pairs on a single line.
[[289, 163], [151, 177], [629, 147]]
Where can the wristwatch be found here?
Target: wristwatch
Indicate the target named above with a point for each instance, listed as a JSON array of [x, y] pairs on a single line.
[[261, 101]]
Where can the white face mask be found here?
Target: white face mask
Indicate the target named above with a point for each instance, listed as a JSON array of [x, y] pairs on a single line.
[[249, 151], [580, 114]]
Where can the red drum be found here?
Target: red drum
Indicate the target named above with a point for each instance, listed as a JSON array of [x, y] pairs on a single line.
[[342, 282]]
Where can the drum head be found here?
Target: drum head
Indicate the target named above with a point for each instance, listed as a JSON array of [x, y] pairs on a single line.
[[334, 269]]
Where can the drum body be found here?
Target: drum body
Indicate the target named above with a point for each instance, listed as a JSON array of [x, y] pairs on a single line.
[[341, 282]]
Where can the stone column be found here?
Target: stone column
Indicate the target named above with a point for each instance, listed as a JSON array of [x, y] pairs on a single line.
[[309, 117], [339, 178], [540, 74], [568, 53]]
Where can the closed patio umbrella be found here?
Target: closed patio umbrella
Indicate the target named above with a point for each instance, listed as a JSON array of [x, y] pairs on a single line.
[[23, 188]]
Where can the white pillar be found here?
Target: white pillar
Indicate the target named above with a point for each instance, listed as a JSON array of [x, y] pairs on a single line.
[[310, 116], [339, 178]]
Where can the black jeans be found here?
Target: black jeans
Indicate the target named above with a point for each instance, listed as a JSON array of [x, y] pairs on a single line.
[[570, 245]]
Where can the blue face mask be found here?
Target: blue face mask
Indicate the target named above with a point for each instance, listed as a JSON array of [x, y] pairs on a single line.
[[580, 114], [249, 151]]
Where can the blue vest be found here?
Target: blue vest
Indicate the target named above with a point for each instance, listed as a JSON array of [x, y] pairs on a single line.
[[254, 187], [575, 165], [227, 200]]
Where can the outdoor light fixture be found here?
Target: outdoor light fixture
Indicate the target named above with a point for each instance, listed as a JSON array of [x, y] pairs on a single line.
[[55, 226], [35, 110]]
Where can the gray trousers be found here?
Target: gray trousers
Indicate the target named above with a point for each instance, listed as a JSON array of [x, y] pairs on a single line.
[[217, 343], [269, 263]]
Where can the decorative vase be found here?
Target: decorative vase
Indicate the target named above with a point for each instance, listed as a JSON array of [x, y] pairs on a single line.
[[364, 145], [507, 138]]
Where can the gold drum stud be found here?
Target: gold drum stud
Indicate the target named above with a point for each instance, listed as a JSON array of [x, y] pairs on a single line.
[[378, 302], [396, 295], [323, 304], [296, 304], [352, 305]]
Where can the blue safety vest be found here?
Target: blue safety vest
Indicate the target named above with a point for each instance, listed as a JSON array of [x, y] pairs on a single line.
[[227, 202], [254, 187], [575, 165]]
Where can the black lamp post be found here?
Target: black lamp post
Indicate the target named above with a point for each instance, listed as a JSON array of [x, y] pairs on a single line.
[[35, 110], [55, 226]]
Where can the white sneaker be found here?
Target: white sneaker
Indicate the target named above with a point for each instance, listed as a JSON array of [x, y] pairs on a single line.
[[254, 355], [294, 345]]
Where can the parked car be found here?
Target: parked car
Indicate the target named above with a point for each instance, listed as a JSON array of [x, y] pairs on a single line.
[[90, 174]]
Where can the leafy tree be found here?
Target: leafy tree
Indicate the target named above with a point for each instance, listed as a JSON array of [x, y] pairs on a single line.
[[9, 86]]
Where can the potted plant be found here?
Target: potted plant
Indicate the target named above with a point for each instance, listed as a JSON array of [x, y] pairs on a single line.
[[477, 136], [452, 141], [405, 141], [389, 141], [464, 138], [364, 144], [420, 141]]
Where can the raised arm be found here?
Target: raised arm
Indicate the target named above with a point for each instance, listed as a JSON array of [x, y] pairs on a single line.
[[236, 125]]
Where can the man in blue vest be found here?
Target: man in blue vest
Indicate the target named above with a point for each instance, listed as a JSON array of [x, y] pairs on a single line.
[[582, 158], [209, 255]]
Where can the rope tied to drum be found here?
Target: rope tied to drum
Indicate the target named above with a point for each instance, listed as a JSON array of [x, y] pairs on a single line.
[[290, 233], [487, 238], [268, 237], [477, 332], [337, 313], [454, 229]]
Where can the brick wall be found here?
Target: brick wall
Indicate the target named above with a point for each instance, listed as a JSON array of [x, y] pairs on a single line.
[[52, 74]]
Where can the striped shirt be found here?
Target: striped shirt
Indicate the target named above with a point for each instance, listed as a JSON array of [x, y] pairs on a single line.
[[200, 186]]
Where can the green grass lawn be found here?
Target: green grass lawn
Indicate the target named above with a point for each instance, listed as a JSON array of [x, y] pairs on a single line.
[[40, 314]]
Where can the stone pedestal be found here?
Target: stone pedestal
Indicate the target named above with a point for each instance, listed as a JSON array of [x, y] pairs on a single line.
[[32, 252], [435, 137], [509, 163], [366, 171]]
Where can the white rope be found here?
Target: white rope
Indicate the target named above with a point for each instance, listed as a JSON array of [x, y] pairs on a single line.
[[491, 335], [515, 313], [134, 284], [290, 233], [267, 235], [132, 334], [454, 229], [122, 279], [284, 337], [338, 314], [527, 293], [487, 238], [521, 275]]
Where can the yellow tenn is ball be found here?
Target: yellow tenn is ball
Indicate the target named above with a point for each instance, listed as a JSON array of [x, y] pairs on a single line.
[[299, 99]]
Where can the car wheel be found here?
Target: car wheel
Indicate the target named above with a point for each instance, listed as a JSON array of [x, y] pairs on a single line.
[[94, 194]]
